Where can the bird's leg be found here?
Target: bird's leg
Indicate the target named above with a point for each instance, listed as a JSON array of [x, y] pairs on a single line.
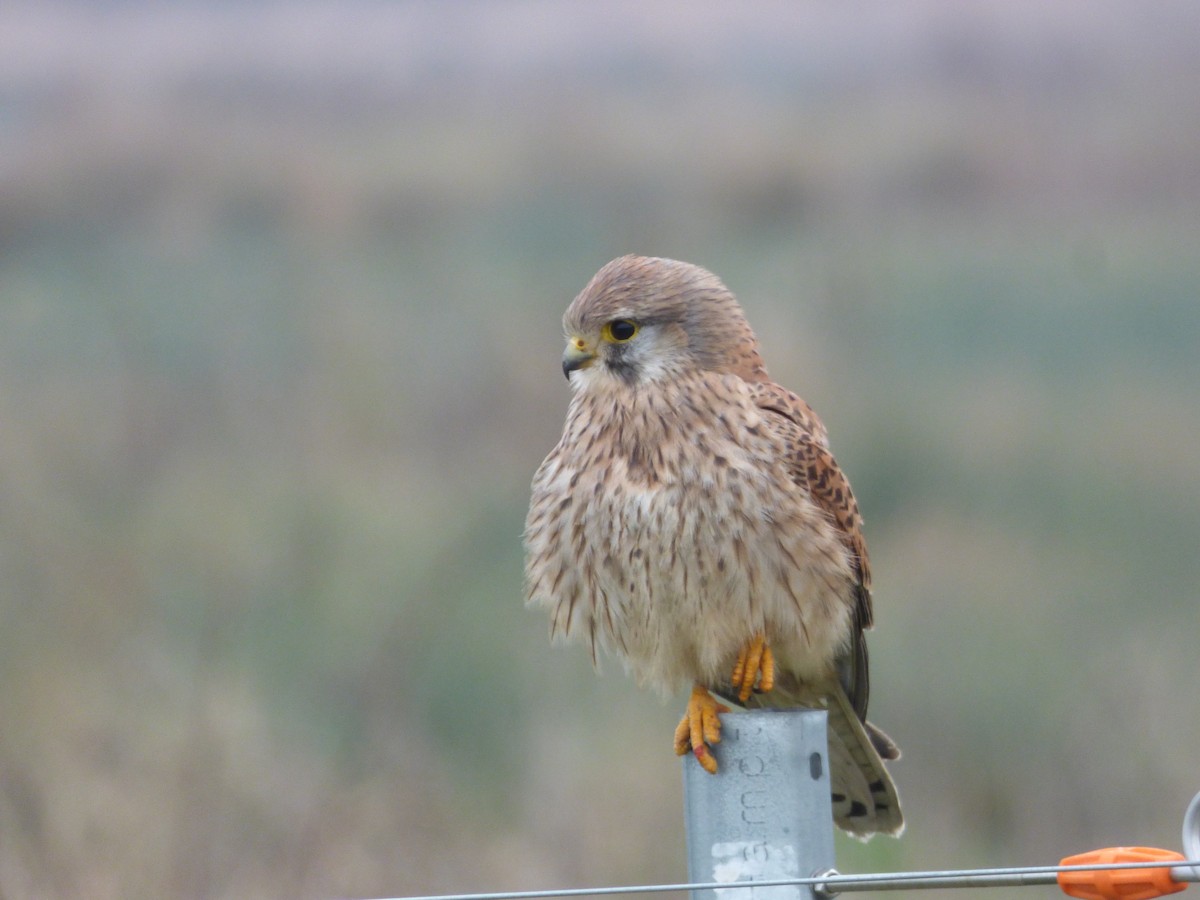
[[701, 726], [755, 662]]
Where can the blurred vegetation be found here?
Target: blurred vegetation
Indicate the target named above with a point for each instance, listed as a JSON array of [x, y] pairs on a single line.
[[279, 297]]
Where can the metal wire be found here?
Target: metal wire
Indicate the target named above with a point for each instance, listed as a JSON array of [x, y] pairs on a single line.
[[1009, 877], [1191, 829], [832, 883]]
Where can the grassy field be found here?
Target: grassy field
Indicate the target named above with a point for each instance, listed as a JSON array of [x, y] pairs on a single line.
[[280, 289]]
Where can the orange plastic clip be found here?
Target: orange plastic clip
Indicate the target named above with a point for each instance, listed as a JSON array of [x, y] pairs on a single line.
[[1121, 884]]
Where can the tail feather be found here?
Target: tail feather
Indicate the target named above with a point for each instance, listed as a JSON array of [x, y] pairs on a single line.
[[869, 803], [865, 800], [884, 745]]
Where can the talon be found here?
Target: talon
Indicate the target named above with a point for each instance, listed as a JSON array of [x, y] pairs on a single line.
[[766, 679], [755, 663], [700, 726]]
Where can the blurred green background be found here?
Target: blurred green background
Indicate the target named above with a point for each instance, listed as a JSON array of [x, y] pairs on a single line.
[[280, 288]]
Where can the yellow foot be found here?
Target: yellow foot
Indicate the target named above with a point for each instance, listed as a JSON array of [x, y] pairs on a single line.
[[755, 662], [700, 727]]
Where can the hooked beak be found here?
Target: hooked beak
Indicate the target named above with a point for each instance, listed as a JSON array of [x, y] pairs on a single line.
[[578, 355]]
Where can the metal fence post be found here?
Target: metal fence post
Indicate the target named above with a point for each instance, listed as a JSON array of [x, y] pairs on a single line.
[[766, 813]]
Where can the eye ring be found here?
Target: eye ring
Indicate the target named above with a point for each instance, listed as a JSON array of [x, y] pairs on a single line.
[[618, 331]]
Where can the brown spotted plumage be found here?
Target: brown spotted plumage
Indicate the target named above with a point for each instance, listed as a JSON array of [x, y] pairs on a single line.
[[693, 522]]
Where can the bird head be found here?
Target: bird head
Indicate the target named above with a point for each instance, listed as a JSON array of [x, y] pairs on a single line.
[[643, 319]]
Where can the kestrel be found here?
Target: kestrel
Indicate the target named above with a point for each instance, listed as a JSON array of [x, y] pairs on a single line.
[[692, 521]]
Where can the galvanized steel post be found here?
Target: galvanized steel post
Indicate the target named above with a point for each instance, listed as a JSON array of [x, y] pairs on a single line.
[[767, 812]]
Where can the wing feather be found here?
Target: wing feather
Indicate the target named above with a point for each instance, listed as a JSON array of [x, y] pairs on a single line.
[[813, 467]]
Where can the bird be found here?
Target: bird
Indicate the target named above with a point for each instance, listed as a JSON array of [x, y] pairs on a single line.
[[692, 522]]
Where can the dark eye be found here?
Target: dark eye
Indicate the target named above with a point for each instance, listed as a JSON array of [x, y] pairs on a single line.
[[621, 330]]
